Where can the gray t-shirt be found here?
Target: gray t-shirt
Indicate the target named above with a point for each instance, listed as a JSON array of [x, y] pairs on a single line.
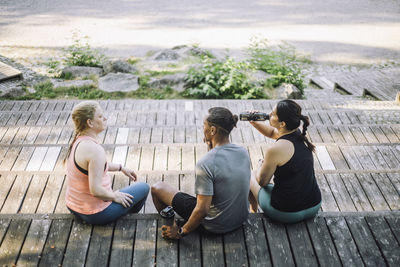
[[224, 173]]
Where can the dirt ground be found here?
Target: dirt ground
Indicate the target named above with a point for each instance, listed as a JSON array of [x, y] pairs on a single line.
[[339, 31]]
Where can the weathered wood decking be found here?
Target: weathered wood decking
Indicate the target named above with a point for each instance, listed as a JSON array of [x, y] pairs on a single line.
[[357, 164]]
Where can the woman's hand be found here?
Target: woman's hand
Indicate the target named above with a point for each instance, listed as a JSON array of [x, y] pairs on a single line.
[[130, 173], [122, 198]]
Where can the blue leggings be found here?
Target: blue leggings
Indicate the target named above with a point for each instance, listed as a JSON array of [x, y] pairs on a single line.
[[264, 200], [138, 190]]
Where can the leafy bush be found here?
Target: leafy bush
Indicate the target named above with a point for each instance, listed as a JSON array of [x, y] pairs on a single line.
[[281, 61], [80, 53], [221, 79]]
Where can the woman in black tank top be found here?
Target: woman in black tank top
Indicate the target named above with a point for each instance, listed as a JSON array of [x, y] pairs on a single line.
[[295, 195]]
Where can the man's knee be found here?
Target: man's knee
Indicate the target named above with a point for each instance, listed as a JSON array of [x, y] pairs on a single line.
[[157, 188]]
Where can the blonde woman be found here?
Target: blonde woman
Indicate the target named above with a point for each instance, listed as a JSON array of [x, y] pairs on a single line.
[[89, 195]]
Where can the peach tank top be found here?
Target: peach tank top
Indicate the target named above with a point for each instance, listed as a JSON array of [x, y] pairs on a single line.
[[78, 197]]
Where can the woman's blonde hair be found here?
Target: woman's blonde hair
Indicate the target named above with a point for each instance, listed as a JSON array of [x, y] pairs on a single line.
[[80, 114]]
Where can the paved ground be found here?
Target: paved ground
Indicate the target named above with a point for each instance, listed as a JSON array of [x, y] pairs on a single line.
[[338, 31]]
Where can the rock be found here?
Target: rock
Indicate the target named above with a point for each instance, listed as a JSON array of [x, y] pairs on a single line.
[[258, 77], [119, 66], [288, 91], [167, 54], [78, 71], [176, 81], [11, 89], [75, 83], [119, 82]]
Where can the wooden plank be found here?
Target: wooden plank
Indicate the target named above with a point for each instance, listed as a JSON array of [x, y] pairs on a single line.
[[369, 135], [9, 158], [212, 250], [356, 192], [376, 157], [326, 136], [122, 136], [33, 119], [61, 206], [65, 136], [188, 158], [190, 250], [60, 166], [161, 118], [187, 182], [200, 150], [340, 193], [328, 201], [301, 245], [256, 242], [160, 157], [145, 135], [337, 157], [344, 242], [50, 159], [63, 119], [390, 158], [191, 134], [336, 134], [42, 136], [363, 157], [174, 158], [17, 193], [347, 134], [156, 136], [133, 157], [388, 190], [55, 133], [34, 243], [13, 119], [394, 223], [365, 242], [168, 135], [20, 135], [379, 134], [119, 156], [145, 241], [247, 135], [235, 248], [32, 135], [34, 193], [51, 193], [179, 135], [386, 241], [147, 158], [390, 132], [395, 179], [278, 243], [322, 242], [12, 242], [23, 158], [351, 157], [324, 158], [9, 135], [111, 135], [255, 154], [122, 243], [7, 182], [372, 191], [37, 159], [358, 135], [236, 136], [167, 250], [78, 243], [100, 245], [4, 223]]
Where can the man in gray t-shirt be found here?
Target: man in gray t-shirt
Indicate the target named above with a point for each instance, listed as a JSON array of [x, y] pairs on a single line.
[[222, 184], [224, 173]]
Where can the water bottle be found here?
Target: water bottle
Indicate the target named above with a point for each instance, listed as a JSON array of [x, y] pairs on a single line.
[[256, 116]]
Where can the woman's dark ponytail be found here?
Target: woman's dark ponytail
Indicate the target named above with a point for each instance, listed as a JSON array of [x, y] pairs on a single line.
[[306, 123]]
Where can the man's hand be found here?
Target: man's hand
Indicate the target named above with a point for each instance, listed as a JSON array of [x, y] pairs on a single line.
[[170, 232]]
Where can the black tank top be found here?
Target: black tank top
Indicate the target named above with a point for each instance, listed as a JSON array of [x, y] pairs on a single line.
[[295, 186]]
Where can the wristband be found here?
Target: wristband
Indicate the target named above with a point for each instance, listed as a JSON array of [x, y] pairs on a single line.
[[120, 167], [181, 233]]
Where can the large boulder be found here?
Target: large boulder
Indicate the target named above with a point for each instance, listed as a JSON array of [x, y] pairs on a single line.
[[176, 81], [119, 82], [258, 77], [79, 71], [167, 54], [119, 66], [57, 83], [287, 91]]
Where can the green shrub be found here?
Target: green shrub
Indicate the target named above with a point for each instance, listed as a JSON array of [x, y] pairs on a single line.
[[221, 79], [80, 53], [281, 61]]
